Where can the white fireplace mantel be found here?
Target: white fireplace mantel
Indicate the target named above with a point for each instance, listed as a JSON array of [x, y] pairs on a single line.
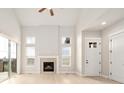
[[48, 57], [45, 58]]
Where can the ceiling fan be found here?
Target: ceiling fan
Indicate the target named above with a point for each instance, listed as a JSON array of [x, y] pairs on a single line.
[[50, 10]]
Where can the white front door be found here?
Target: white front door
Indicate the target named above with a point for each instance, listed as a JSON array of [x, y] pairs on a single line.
[[92, 57], [117, 58]]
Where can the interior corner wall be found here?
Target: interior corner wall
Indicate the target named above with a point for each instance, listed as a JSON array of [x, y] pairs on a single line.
[[105, 44], [10, 28], [48, 42]]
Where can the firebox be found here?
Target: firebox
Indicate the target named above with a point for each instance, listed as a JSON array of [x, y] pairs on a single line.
[[48, 66]]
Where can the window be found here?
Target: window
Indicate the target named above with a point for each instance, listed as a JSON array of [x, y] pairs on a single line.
[[13, 49], [13, 56], [4, 58], [30, 40], [30, 50], [30, 53], [92, 44], [66, 56], [66, 51], [3, 47], [30, 61]]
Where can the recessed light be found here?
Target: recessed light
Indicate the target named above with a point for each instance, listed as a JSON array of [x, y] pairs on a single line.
[[104, 23]]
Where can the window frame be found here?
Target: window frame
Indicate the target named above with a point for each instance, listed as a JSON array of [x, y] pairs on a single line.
[[64, 45], [34, 41], [33, 46]]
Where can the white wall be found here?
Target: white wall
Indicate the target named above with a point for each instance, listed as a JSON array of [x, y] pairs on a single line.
[[47, 44], [105, 44], [93, 34], [10, 28], [9, 24], [79, 51], [46, 39]]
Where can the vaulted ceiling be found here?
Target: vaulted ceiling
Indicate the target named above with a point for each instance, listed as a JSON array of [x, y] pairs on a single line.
[[31, 16], [86, 18]]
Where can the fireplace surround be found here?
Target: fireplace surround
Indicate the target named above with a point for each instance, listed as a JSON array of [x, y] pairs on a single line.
[[48, 64]]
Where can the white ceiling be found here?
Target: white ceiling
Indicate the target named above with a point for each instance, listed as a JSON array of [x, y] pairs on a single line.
[[31, 16], [87, 18], [91, 18]]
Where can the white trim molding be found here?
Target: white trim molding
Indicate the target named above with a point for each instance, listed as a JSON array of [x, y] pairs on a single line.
[[105, 76], [55, 58]]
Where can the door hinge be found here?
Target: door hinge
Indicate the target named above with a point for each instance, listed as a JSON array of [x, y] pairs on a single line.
[[110, 51], [99, 62], [110, 73], [99, 53], [99, 72], [110, 62]]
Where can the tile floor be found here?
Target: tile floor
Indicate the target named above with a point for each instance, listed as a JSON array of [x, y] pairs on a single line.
[[3, 76], [57, 79]]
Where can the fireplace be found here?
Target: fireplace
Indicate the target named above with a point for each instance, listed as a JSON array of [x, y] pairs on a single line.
[[48, 66]]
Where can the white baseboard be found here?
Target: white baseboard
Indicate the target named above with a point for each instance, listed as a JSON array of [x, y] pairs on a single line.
[[64, 72], [105, 76], [78, 73]]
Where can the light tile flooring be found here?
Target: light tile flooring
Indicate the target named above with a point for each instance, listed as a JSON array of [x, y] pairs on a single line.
[[57, 79], [3, 76]]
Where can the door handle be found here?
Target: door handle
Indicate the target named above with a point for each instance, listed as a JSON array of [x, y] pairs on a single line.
[[86, 61]]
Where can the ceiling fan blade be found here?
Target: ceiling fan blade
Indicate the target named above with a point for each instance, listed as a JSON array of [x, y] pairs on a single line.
[[42, 9], [51, 12]]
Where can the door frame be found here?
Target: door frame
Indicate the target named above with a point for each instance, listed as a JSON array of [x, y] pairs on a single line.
[[110, 51], [100, 61]]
